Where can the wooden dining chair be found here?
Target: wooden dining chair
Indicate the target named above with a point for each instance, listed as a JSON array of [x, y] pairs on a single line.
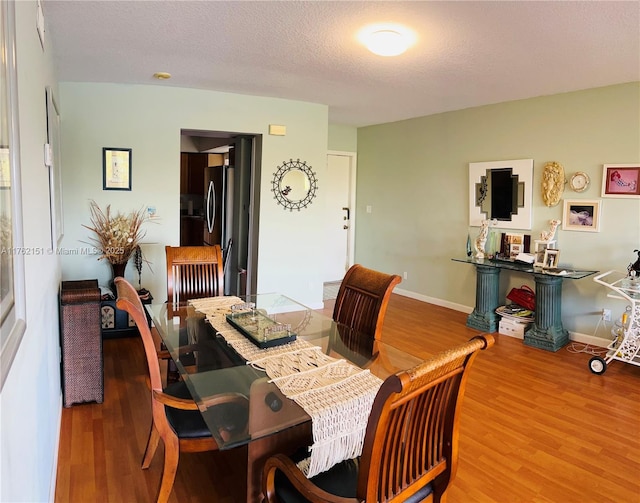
[[362, 300], [175, 416], [410, 450], [194, 272]]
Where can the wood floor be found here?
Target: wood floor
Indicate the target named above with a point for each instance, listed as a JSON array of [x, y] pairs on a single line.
[[536, 426]]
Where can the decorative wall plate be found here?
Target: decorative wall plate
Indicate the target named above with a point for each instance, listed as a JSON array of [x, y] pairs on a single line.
[[579, 181]]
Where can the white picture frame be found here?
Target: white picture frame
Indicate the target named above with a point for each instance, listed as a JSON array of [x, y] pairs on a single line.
[[621, 181], [551, 258], [479, 189], [539, 250], [582, 215]]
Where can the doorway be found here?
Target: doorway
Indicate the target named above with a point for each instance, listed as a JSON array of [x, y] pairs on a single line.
[[232, 162], [340, 214]]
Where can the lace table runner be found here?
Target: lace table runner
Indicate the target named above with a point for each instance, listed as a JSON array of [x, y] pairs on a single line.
[[336, 394]]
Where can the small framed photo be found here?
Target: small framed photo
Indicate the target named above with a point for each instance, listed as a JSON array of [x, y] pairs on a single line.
[[621, 180], [581, 215], [551, 257], [116, 168], [540, 248]]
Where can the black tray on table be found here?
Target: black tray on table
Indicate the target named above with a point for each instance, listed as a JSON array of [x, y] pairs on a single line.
[[260, 329]]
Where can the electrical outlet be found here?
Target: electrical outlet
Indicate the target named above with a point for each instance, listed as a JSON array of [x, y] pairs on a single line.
[[404, 275], [606, 314]]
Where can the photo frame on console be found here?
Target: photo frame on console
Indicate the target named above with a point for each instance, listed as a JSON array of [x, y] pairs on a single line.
[[512, 243], [551, 257], [539, 251]]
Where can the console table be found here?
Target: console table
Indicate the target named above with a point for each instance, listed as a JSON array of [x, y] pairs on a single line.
[[547, 331]]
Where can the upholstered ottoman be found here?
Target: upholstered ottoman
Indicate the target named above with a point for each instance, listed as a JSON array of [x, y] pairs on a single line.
[[81, 342]]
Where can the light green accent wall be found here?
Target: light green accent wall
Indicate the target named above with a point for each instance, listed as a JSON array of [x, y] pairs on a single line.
[[148, 119], [343, 138], [414, 174]]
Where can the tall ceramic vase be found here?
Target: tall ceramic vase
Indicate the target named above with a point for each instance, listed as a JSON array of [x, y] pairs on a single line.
[[117, 270]]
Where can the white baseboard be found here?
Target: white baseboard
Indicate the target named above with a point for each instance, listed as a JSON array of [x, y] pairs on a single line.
[[433, 300], [573, 336], [589, 339]]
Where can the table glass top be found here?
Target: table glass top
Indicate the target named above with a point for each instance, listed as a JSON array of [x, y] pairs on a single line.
[[210, 366], [514, 265]]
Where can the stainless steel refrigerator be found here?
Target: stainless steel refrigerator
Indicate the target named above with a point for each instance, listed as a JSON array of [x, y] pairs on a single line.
[[218, 200]]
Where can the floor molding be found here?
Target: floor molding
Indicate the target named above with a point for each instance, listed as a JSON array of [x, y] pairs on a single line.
[[573, 336]]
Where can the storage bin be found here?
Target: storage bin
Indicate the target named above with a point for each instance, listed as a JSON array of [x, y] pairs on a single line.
[[512, 328], [81, 342]]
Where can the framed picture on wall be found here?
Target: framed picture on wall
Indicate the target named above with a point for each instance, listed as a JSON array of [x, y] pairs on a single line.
[[621, 180], [581, 215], [116, 168]]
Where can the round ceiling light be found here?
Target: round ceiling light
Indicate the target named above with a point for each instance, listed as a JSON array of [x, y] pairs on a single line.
[[162, 75], [387, 40], [386, 43]]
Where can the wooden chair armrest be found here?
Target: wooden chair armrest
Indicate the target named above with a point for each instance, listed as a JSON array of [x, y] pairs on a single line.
[[302, 484], [189, 404], [222, 398], [172, 401]]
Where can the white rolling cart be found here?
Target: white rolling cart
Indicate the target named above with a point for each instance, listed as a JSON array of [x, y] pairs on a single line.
[[624, 347]]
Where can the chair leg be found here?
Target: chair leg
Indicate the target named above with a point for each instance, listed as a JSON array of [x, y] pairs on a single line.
[[152, 445], [171, 456]]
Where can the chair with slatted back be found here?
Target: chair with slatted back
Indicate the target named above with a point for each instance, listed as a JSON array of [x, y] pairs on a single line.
[[362, 299], [410, 450], [359, 310], [175, 416], [194, 272]]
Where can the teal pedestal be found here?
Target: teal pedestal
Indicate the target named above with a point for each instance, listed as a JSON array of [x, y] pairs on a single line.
[[547, 331], [484, 315]]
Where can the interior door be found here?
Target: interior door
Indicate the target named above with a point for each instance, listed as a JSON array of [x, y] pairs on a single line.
[[340, 216]]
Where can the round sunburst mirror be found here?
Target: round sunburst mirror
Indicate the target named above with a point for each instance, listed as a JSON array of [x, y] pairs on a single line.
[[294, 185]]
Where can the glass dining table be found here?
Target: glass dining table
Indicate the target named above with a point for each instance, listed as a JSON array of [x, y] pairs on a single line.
[[210, 366]]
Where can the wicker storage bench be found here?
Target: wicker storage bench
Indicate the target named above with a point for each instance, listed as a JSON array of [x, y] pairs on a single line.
[[81, 342]]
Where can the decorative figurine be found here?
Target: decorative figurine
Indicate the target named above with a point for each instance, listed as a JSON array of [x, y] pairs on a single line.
[[548, 235], [634, 268], [481, 240]]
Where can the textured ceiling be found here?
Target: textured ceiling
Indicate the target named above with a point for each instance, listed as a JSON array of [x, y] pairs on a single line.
[[467, 53]]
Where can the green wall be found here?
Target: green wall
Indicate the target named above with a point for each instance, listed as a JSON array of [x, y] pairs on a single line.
[[343, 138], [148, 119], [414, 175]]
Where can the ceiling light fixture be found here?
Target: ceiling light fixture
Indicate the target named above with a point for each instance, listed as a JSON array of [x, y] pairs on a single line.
[[162, 75], [387, 40]]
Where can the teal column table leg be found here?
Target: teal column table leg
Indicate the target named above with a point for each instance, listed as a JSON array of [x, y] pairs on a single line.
[[547, 331], [484, 315]]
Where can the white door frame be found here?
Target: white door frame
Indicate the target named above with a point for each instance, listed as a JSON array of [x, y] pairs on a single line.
[[351, 232]]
